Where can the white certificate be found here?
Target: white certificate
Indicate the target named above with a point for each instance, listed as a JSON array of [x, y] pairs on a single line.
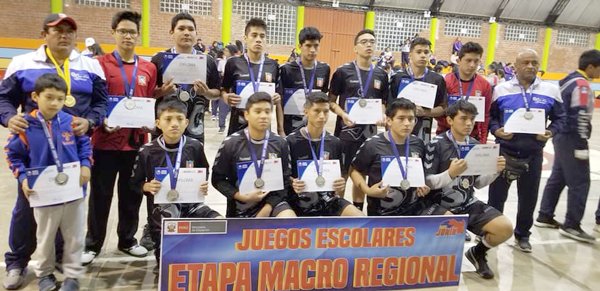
[[184, 68], [392, 176], [370, 113], [245, 88], [307, 172], [136, 117], [188, 185], [47, 192], [481, 159], [478, 101], [293, 101], [421, 93], [272, 175], [515, 122]]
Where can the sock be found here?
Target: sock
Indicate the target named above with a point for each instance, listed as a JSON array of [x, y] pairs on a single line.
[[480, 249], [359, 205]]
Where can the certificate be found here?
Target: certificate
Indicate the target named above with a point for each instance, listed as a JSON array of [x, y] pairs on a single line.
[[47, 191], [245, 88], [481, 159], [392, 176], [293, 101], [307, 172], [478, 101], [184, 68], [188, 185], [133, 113], [272, 175], [516, 122], [421, 93], [364, 111]]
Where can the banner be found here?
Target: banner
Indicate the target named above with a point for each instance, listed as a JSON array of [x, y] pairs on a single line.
[[321, 253]]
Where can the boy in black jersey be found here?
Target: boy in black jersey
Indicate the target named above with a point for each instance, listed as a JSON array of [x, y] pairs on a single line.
[[172, 121], [384, 200], [420, 51], [456, 193], [297, 79], [252, 66], [251, 149], [314, 143], [346, 83]]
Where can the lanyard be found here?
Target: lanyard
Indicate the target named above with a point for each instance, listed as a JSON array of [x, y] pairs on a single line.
[[451, 137], [471, 83], [312, 77], [525, 99], [397, 154], [54, 150], [318, 161], [129, 86], [64, 73], [174, 171], [363, 89], [258, 167], [255, 81]]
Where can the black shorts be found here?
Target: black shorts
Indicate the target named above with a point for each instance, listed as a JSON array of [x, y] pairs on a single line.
[[349, 149], [480, 214], [333, 207], [253, 211], [415, 209]]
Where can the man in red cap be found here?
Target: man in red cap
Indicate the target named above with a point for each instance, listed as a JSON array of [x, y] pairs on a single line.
[[86, 99]]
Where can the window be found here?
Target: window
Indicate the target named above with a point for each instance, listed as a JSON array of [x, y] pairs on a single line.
[[105, 3], [462, 27], [573, 38], [393, 27], [524, 33], [197, 7], [280, 18]]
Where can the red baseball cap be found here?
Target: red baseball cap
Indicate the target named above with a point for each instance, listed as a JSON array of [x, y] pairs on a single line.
[[57, 18]]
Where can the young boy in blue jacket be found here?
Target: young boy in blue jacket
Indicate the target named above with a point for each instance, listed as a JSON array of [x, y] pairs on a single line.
[[54, 145]]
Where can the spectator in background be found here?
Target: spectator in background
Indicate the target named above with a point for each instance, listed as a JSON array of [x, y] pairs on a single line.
[[240, 47], [509, 70], [456, 45], [405, 52], [199, 46], [88, 44], [96, 50]]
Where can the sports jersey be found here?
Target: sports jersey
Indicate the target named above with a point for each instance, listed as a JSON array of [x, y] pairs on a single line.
[[125, 139], [399, 80], [236, 69], [578, 104], [290, 78], [345, 84], [481, 87], [233, 150], [368, 162]]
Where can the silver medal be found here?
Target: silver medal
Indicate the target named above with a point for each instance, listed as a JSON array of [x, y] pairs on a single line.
[[405, 185], [61, 178], [184, 96], [129, 104], [528, 115], [172, 195], [465, 183], [362, 102], [320, 181], [259, 183]]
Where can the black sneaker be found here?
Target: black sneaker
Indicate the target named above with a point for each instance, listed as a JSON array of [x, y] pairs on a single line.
[[480, 263], [547, 223], [577, 233], [146, 240], [523, 244]]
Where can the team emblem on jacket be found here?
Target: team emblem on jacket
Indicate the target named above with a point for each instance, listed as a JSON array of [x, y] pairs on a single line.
[[377, 84], [68, 138], [319, 82], [142, 80], [272, 156], [477, 93], [268, 77]]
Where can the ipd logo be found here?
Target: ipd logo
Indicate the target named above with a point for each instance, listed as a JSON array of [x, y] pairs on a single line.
[[451, 227]]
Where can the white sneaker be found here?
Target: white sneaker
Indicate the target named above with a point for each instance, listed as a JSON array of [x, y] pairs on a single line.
[[136, 251], [87, 257], [14, 279]]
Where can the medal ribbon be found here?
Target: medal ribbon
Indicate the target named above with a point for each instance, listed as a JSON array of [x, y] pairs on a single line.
[[451, 137], [525, 99], [129, 86], [174, 171], [53, 149], [64, 73], [255, 81], [397, 154], [469, 89], [312, 77], [258, 167], [318, 161], [363, 89]]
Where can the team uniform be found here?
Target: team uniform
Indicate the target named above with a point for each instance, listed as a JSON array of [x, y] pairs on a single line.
[[291, 79], [88, 87], [345, 84], [236, 69], [508, 97], [153, 155], [401, 79], [325, 203], [458, 194], [398, 201], [477, 86], [196, 104], [234, 150]]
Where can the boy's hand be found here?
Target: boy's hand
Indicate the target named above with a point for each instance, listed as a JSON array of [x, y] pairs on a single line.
[[26, 190], [152, 187], [232, 99], [204, 188], [85, 175], [252, 197], [166, 89], [276, 98], [80, 126], [422, 191], [377, 192], [298, 185], [339, 186], [501, 164], [457, 167], [109, 129]]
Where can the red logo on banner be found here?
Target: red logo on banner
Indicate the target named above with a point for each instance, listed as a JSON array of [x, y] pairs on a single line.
[[183, 227], [451, 227]]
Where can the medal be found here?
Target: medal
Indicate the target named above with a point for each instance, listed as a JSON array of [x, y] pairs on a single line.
[[129, 104], [184, 95], [61, 178], [320, 181], [70, 101], [528, 115], [465, 183], [259, 183], [362, 102], [405, 185], [172, 195]]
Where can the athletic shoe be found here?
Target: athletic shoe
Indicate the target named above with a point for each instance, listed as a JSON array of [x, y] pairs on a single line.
[[135, 250], [47, 283], [523, 244], [146, 240], [213, 118], [576, 233], [70, 284], [467, 236], [88, 257], [480, 263], [221, 129], [547, 223], [14, 279]]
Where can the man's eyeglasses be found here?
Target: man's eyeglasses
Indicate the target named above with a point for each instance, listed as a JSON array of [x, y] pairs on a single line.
[[125, 32]]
